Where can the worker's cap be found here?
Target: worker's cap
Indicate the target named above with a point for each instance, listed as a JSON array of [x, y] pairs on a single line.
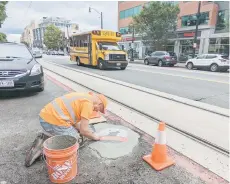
[[104, 101]]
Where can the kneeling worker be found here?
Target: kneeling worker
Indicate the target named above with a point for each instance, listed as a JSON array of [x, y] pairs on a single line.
[[67, 115]]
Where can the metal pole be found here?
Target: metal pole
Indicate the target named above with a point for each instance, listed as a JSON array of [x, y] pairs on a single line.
[[132, 56], [101, 20], [197, 23]]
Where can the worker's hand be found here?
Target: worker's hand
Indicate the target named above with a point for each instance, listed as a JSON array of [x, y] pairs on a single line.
[[84, 130], [97, 138]]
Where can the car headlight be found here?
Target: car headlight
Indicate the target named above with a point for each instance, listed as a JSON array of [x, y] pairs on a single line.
[[36, 70], [107, 57]]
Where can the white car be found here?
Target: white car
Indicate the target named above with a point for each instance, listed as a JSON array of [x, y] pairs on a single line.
[[37, 53], [212, 62]]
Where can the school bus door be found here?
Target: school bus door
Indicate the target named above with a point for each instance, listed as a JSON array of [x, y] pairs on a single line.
[[89, 49]]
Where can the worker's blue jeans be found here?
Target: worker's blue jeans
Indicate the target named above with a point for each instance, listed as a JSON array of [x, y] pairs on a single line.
[[58, 130]]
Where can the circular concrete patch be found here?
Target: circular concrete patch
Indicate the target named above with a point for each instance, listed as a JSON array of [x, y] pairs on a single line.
[[114, 149]]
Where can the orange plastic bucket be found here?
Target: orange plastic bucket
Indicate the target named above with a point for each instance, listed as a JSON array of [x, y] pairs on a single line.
[[61, 158]]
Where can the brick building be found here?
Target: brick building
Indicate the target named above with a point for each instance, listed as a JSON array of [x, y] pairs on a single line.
[[213, 36]]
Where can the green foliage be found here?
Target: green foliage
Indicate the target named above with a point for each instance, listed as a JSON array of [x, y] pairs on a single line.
[[52, 37], [156, 22], [3, 11], [3, 37]]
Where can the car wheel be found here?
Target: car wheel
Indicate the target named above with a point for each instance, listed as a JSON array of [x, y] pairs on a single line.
[[123, 68], [160, 63], [100, 65], [190, 66], [78, 62], [146, 62], [214, 68]]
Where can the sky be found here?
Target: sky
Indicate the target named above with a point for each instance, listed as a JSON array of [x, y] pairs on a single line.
[[20, 14]]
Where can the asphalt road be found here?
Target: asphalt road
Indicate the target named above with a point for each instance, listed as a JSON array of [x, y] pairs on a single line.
[[19, 127], [203, 86]]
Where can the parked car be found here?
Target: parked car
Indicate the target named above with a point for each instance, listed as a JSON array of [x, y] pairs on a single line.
[[18, 69], [212, 62], [37, 53], [185, 57], [54, 52], [60, 52], [160, 58]]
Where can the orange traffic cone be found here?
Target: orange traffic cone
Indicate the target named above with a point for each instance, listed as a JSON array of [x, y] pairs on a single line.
[[158, 159]]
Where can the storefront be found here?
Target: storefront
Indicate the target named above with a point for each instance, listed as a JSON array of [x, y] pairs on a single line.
[[137, 46], [219, 43], [140, 49]]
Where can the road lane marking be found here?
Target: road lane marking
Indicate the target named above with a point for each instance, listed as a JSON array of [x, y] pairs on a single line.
[[174, 75], [180, 69]]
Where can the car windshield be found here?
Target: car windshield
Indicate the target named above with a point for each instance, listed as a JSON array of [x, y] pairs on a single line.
[[110, 46], [14, 51]]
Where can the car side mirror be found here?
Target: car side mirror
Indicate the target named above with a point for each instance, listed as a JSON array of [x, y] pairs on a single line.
[[100, 46]]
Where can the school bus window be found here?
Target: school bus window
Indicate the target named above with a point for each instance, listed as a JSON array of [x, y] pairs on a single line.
[[109, 46]]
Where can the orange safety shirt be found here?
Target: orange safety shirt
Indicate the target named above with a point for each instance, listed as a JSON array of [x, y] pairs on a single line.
[[68, 109]]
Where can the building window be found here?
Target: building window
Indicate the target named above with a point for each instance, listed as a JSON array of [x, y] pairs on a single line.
[[219, 46], [190, 20], [222, 19], [124, 30], [122, 14], [130, 12]]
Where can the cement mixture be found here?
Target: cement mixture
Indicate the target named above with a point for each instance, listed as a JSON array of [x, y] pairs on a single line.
[[114, 149]]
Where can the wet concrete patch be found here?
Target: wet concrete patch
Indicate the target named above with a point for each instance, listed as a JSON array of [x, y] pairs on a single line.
[[114, 149]]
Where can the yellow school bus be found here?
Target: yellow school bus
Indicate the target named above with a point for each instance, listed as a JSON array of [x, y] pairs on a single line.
[[98, 48]]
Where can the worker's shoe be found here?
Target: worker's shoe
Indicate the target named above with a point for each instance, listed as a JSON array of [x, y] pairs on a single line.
[[35, 150]]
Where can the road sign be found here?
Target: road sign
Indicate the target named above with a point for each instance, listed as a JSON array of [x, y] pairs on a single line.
[[194, 45]]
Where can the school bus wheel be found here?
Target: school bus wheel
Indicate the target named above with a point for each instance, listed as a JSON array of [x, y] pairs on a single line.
[[100, 64], [78, 61]]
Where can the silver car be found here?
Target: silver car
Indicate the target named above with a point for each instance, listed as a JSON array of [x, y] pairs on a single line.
[[37, 53]]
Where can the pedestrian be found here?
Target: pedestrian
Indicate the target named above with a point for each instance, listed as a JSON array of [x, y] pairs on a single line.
[[67, 115]]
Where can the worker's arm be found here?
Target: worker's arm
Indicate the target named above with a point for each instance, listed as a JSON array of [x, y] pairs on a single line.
[[86, 111], [84, 130]]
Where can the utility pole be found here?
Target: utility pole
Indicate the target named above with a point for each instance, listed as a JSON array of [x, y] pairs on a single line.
[[101, 15], [132, 56], [196, 32], [101, 21]]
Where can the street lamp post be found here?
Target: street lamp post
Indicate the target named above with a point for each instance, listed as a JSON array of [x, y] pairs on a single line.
[[196, 32], [101, 15]]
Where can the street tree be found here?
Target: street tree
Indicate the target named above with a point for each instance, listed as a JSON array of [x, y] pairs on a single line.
[[155, 23], [52, 37], [3, 37], [2, 11], [3, 16]]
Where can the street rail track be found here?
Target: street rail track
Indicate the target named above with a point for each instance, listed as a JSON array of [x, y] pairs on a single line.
[[180, 131]]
